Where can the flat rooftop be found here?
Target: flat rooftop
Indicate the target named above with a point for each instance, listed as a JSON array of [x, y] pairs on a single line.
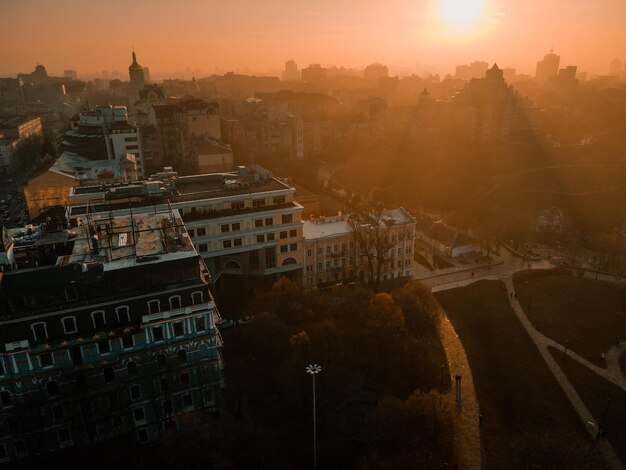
[[127, 240]]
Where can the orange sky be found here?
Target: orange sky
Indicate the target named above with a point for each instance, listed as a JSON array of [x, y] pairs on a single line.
[[172, 36]]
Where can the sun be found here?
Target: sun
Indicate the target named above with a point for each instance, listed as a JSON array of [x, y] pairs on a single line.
[[461, 15]]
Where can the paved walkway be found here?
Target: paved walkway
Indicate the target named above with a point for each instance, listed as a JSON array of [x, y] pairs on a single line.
[[467, 431], [542, 342]]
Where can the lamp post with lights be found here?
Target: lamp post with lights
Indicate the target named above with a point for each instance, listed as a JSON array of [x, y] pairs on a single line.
[[314, 369]]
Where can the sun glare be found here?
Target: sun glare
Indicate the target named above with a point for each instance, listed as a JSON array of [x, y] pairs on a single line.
[[461, 15]]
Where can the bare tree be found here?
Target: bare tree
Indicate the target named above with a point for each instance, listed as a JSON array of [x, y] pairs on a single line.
[[374, 242]]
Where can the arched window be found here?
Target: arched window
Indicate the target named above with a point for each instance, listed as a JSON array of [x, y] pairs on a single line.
[[232, 265], [197, 297], [289, 261], [182, 356], [53, 388], [162, 361], [132, 368], [154, 306], [174, 302], [69, 324]]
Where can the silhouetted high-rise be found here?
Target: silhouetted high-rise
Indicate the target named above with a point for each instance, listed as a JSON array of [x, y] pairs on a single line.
[[548, 67]]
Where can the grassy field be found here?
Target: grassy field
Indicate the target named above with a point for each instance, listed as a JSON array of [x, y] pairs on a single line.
[[588, 314], [605, 401], [528, 421]]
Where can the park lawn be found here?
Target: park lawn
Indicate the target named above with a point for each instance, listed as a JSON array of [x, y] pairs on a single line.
[[594, 392], [585, 313], [528, 421]]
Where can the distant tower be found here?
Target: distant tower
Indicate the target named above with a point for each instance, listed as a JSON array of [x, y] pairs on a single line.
[[547, 67], [136, 73], [291, 71]]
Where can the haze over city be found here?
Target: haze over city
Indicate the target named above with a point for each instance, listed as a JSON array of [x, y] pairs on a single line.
[[410, 36], [280, 235]]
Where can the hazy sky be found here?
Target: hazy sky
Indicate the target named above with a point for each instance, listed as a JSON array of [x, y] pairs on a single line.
[[173, 35]]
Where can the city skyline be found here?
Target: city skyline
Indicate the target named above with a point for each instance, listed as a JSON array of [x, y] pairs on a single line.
[[431, 36]]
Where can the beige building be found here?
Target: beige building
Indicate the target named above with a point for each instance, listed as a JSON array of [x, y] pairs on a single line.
[[52, 186], [21, 127], [333, 254]]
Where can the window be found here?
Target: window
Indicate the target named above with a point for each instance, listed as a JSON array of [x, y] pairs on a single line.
[[293, 247], [187, 400], [289, 261], [178, 329], [69, 325], [154, 306], [174, 302], [270, 258], [98, 319], [287, 218], [5, 398], [270, 237], [269, 221], [236, 226], [238, 242], [76, 355], [224, 228], [57, 413], [104, 347], [165, 384], [260, 238], [135, 392], [284, 248], [191, 232], [258, 223], [45, 359], [139, 415], [308, 253], [182, 356], [53, 388], [237, 205], [109, 374], [131, 367], [142, 434], [226, 243], [258, 203], [128, 341], [185, 379], [279, 200], [168, 407], [202, 247], [64, 435], [200, 324], [328, 250], [197, 298], [293, 233], [162, 361], [283, 235], [320, 266], [157, 333], [123, 315], [201, 232]]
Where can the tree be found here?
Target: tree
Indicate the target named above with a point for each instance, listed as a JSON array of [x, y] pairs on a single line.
[[374, 242]]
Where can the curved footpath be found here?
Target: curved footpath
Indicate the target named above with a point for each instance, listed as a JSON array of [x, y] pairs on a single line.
[[466, 425]]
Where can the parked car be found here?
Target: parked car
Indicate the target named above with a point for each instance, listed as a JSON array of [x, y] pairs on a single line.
[[244, 320]]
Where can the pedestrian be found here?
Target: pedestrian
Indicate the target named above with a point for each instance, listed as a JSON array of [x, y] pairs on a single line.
[[472, 273], [480, 420], [511, 294]]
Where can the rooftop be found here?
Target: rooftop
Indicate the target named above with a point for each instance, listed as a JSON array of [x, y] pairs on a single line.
[[127, 240]]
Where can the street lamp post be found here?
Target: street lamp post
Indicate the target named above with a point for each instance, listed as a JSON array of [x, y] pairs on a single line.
[[314, 369]]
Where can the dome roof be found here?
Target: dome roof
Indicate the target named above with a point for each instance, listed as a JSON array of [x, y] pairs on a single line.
[[135, 66]]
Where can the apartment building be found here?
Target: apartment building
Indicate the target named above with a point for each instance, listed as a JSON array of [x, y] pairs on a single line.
[[334, 253], [243, 223], [117, 337]]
